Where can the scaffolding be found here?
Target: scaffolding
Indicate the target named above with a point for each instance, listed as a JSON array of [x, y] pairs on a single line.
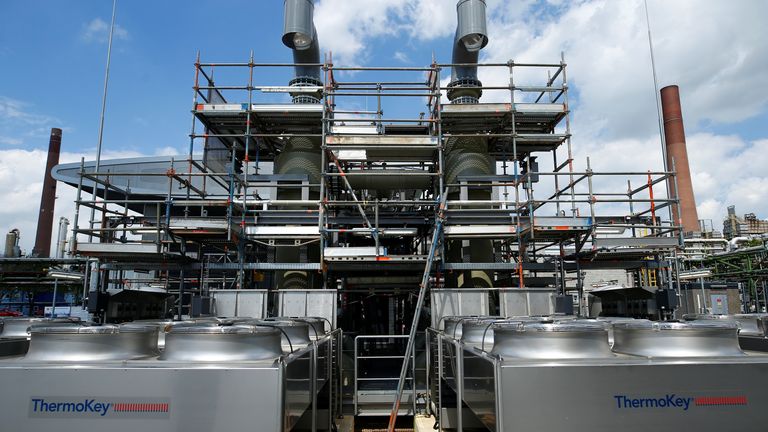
[[367, 223]]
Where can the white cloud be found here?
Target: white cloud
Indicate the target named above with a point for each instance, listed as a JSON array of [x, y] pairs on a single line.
[[97, 30], [344, 27], [431, 19], [401, 57], [10, 141], [21, 181], [19, 122], [16, 112], [703, 47]]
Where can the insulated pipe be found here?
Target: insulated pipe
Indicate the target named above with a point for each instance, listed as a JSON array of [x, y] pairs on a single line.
[[674, 133], [301, 155], [47, 199], [468, 156]]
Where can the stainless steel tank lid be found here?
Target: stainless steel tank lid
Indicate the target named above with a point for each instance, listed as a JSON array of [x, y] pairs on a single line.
[[295, 333], [233, 329], [40, 319], [87, 329], [478, 330], [551, 341], [702, 317], [222, 343], [677, 326], [706, 338], [755, 324], [618, 319], [317, 324], [14, 327], [536, 318], [73, 342], [567, 326], [74, 329]]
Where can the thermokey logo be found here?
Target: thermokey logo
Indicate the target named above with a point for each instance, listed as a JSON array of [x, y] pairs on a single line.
[[86, 407], [673, 401]]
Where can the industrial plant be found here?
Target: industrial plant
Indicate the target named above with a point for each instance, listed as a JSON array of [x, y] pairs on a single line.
[[383, 248]]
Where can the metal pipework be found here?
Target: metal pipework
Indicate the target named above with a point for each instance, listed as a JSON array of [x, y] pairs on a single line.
[[300, 36], [471, 36], [301, 155], [47, 199], [61, 242], [12, 244], [674, 134], [468, 156]]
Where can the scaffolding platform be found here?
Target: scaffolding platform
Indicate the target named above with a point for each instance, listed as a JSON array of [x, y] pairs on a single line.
[[529, 118], [131, 252], [203, 228], [526, 143], [302, 232], [228, 121], [556, 228], [396, 148]]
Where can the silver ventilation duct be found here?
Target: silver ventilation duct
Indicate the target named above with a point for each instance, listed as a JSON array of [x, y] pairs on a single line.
[[468, 156], [299, 35], [471, 37], [301, 155]]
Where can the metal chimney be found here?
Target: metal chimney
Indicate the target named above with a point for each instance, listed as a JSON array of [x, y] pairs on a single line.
[[47, 199], [676, 150]]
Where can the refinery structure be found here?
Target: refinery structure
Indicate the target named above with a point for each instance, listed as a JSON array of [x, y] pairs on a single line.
[[424, 254]]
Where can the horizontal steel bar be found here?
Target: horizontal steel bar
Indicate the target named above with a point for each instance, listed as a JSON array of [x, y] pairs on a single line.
[[265, 266], [381, 174], [337, 94]]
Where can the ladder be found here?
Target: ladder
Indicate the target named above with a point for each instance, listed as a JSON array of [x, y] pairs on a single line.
[[436, 235]]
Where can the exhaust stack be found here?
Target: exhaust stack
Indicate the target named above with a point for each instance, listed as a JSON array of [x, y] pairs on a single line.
[[468, 156], [674, 133], [300, 36], [301, 155], [47, 199], [471, 37]]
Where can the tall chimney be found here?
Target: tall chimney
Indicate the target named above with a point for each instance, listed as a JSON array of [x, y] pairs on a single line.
[[676, 150], [47, 199]]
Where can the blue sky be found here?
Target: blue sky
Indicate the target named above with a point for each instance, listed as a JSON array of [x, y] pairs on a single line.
[[55, 65], [53, 53]]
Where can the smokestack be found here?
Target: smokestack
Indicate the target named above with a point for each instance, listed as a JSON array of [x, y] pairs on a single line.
[[676, 150], [47, 199]]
